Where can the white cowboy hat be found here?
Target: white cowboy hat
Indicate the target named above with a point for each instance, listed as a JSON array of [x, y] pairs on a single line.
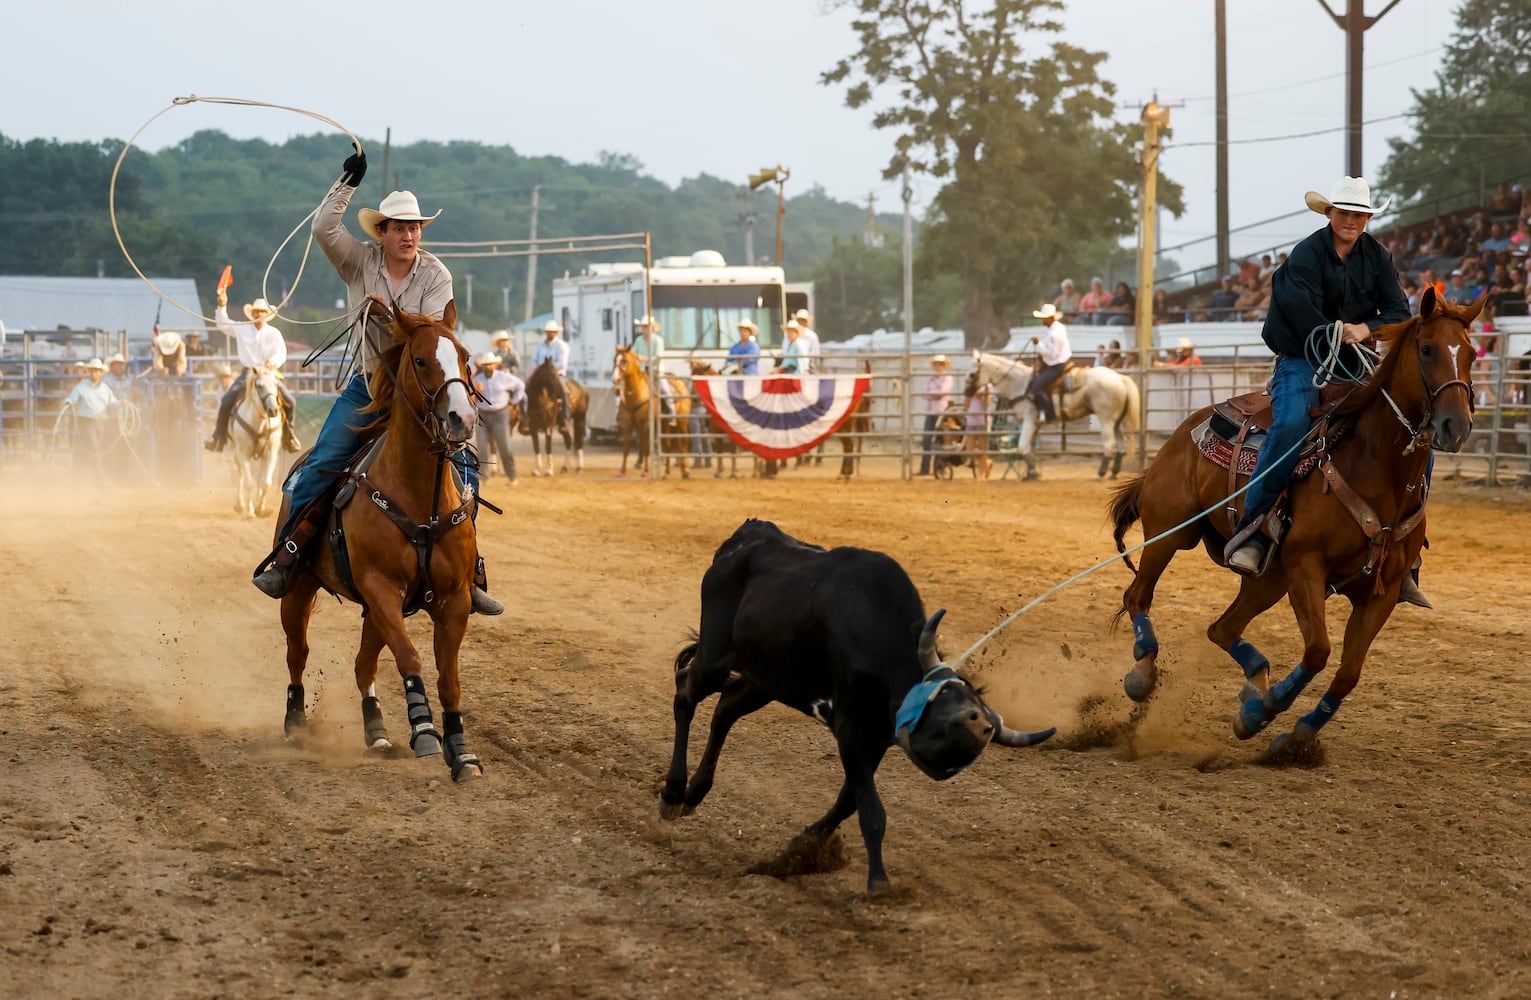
[[791, 324], [940, 359], [95, 364], [168, 342], [1185, 344], [258, 306], [499, 335], [803, 316], [223, 370], [487, 358], [552, 326], [116, 359], [747, 324], [1048, 311], [400, 205], [647, 323], [1352, 194]]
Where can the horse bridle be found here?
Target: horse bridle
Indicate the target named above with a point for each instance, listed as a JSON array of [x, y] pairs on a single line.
[[1420, 436]]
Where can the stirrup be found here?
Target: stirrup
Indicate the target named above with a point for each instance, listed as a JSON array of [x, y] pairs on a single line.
[[276, 581], [1249, 551]]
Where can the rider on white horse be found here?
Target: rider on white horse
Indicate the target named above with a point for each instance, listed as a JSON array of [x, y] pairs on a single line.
[[1054, 351], [261, 345]]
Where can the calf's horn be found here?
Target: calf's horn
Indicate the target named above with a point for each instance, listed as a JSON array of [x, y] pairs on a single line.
[[928, 661], [1014, 738]]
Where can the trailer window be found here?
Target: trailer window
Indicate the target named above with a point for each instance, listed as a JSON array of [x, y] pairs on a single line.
[[708, 317]]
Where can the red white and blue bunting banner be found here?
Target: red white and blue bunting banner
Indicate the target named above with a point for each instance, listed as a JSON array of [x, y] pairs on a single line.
[[781, 416]]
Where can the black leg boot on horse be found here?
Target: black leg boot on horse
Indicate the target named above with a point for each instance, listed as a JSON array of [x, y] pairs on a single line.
[[226, 406], [290, 442]]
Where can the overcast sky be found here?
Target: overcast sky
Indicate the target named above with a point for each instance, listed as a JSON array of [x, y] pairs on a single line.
[[692, 86]]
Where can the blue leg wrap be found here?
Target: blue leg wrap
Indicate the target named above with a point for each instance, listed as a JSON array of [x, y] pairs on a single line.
[[1143, 639], [1253, 718], [1249, 658], [1285, 691], [1314, 720]]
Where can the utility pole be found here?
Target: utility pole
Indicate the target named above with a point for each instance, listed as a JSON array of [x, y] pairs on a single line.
[[468, 277], [908, 195], [1220, 27], [779, 174], [870, 239], [387, 145], [505, 297], [1154, 118], [747, 221], [531, 260], [1354, 23]]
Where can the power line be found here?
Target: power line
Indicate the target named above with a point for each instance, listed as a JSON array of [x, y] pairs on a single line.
[[1292, 135]]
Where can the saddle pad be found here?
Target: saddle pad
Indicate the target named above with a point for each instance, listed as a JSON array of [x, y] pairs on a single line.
[[1221, 451]]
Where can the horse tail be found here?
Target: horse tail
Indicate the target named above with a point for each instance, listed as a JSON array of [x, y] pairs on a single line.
[[685, 656], [1125, 510], [1131, 418]]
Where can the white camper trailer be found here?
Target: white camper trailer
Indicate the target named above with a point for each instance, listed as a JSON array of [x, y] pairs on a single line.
[[698, 302]]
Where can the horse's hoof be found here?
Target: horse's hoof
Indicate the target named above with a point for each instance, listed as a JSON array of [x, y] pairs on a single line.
[[1137, 686], [1251, 719], [467, 768], [672, 810]]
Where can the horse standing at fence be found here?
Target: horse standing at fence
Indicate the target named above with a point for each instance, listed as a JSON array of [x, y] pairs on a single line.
[[256, 434], [1355, 529], [635, 414], [408, 540], [851, 434], [544, 414], [1109, 395]]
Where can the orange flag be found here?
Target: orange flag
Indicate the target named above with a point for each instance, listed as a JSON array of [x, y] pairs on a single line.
[[227, 278]]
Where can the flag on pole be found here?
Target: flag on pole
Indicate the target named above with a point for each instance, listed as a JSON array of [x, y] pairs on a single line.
[[226, 278], [780, 416]]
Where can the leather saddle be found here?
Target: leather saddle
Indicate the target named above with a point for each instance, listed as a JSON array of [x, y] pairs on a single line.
[[1236, 431]]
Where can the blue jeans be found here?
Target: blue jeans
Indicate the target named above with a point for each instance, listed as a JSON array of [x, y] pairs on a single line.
[[927, 444], [338, 442], [1292, 393]]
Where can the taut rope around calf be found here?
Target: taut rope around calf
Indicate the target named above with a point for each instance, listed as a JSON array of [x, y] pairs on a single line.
[[265, 278]]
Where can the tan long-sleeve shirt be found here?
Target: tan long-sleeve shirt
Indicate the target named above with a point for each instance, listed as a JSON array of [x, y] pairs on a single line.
[[426, 289]]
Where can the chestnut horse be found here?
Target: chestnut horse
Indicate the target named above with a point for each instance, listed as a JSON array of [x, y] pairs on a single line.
[[1356, 525], [634, 415], [409, 538], [542, 416]]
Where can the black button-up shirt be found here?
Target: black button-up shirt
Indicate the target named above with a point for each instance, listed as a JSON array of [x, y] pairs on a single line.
[[1314, 287]]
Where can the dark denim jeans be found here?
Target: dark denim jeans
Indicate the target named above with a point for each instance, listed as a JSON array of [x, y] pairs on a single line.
[[1292, 393]]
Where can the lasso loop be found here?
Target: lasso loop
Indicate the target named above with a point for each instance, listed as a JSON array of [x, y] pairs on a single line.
[[111, 202]]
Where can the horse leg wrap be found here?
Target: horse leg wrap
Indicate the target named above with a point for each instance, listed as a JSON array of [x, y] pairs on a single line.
[[295, 719], [1310, 724], [1143, 639], [1105, 465], [374, 731], [459, 759], [1285, 691], [1249, 658], [1116, 464], [424, 740]]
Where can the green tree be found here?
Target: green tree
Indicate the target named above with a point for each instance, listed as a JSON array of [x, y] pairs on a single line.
[[1471, 126], [1034, 166]]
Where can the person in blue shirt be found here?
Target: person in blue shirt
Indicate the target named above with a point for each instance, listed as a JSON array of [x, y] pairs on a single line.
[[94, 404], [794, 354], [1338, 273], [745, 355], [555, 349]]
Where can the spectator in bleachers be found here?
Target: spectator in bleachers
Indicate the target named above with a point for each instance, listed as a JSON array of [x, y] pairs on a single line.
[[1410, 291], [1224, 299], [1112, 356], [1093, 304], [1163, 311], [1252, 302], [1124, 306], [1504, 201], [1457, 292], [1427, 279], [1067, 302], [1497, 239], [1267, 268]]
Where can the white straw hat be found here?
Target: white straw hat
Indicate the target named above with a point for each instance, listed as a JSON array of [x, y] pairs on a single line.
[[1352, 194], [258, 306], [95, 364], [487, 358], [1048, 311], [400, 205]]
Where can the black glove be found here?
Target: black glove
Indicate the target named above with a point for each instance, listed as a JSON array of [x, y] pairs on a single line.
[[354, 169]]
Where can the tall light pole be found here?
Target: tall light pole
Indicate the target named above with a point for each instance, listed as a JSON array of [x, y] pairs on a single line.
[[1154, 118], [1354, 22], [779, 174]]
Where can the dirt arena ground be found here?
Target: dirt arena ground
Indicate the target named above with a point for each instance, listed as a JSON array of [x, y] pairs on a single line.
[[159, 839]]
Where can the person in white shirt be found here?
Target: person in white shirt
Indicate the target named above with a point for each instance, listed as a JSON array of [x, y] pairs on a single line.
[[94, 403], [498, 391], [261, 345], [648, 348], [810, 340], [554, 349], [1054, 352]]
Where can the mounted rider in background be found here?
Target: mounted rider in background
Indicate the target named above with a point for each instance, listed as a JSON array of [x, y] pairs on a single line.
[[555, 349], [261, 345]]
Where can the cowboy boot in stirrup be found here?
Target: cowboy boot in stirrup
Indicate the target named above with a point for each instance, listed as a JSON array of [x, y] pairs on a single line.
[[290, 442], [483, 602], [1409, 592], [277, 578]]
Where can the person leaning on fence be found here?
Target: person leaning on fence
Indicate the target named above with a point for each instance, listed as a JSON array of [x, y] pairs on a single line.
[[168, 359], [1054, 353], [94, 404], [394, 268], [937, 397], [498, 391], [810, 339], [261, 345], [794, 356], [1342, 273], [744, 355]]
